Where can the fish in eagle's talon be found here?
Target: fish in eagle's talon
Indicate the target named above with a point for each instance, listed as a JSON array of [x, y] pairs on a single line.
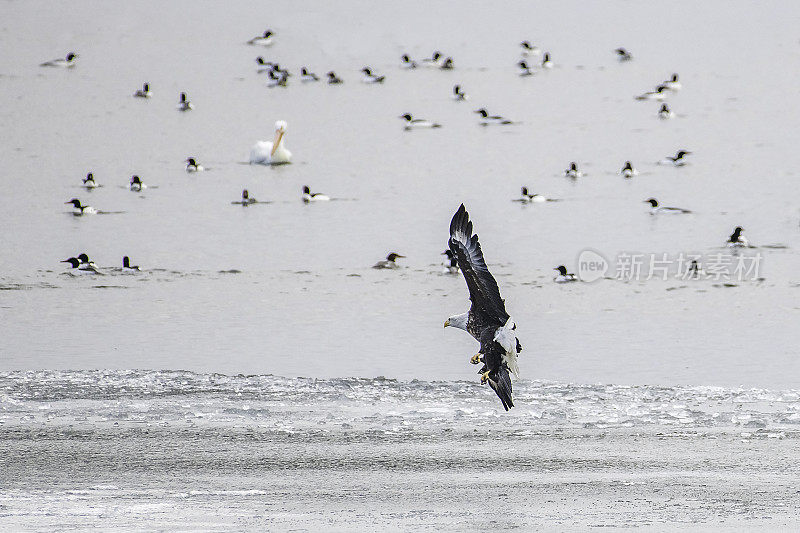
[[484, 377], [476, 359]]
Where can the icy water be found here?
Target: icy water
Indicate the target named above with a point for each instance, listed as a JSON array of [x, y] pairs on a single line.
[[644, 402], [184, 451]]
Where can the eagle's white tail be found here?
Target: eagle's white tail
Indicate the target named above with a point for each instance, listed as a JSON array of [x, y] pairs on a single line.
[[506, 338]]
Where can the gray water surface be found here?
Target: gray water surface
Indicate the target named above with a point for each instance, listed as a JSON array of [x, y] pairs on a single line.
[[304, 283]]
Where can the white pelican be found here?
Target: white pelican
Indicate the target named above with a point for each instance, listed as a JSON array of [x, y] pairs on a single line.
[[272, 153]]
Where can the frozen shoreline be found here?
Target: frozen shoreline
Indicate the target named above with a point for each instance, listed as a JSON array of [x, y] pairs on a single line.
[[144, 449]]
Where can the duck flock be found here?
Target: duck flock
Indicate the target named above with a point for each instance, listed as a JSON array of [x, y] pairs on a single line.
[[531, 61]]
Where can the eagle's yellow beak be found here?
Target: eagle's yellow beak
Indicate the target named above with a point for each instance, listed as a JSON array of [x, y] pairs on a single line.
[[447, 322]]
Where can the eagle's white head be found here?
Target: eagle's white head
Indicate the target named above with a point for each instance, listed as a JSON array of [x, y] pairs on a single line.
[[457, 321]]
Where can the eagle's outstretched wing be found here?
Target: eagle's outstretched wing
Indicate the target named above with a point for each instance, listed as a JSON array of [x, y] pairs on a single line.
[[483, 290]]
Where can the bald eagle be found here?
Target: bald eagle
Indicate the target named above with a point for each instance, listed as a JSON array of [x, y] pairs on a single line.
[[486, 320]]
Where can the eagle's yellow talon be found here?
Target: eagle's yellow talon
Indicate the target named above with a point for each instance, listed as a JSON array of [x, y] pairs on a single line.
[[484, 377], [476, 359]]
